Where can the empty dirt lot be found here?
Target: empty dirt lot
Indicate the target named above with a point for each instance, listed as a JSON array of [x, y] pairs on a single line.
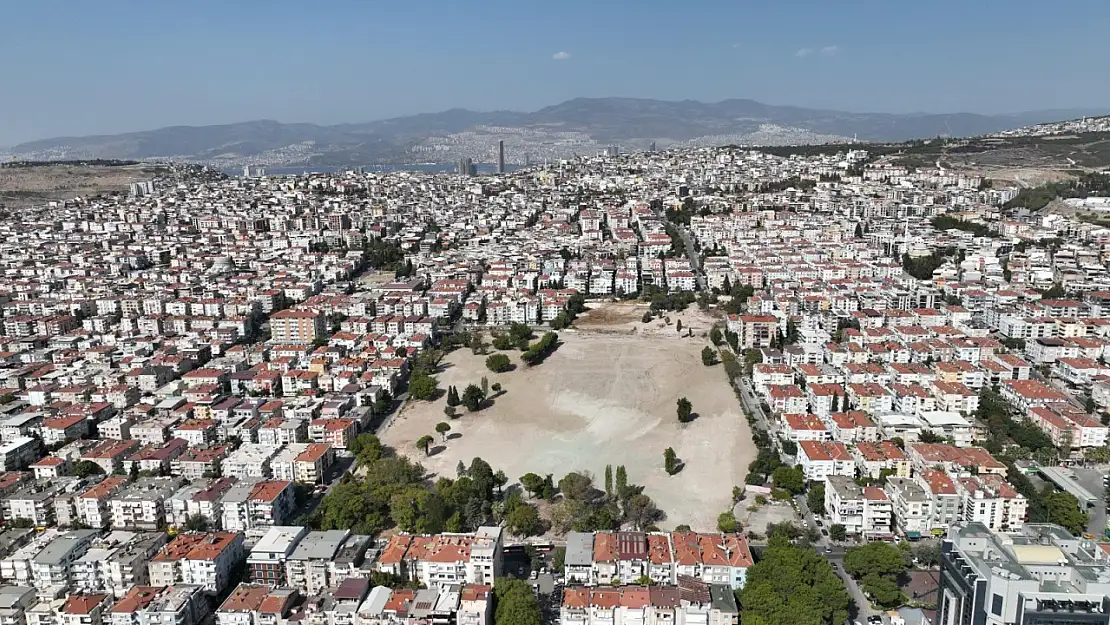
[[601, 398], [30, 185]]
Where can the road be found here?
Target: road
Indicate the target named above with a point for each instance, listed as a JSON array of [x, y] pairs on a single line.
[[752, 406], [863, 606], [1091, 479], [691, 252]]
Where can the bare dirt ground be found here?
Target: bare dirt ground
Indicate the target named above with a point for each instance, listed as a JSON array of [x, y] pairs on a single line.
[[626, 318], [604, 397], [755, 518], [25, 186]]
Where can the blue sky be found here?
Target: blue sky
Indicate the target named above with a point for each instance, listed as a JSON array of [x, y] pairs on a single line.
[[75, 67]]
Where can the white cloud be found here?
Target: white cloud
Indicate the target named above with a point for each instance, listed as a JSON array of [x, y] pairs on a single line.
[[830, 50], [561, 56], [803, 52]]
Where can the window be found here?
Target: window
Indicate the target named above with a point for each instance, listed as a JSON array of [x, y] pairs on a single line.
[[996, 605]]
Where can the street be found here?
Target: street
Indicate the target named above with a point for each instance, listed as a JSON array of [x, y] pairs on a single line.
[[1091, 479], [753, 407], [863, 606]]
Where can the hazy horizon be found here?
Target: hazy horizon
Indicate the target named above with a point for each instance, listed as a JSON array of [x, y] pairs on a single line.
[[123, 66]]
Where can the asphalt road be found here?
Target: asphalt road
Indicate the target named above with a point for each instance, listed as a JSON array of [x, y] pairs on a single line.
[[863, 606], [752, 405], [1091, 479], [692, 254]]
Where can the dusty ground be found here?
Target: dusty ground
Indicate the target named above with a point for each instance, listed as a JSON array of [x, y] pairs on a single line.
[[24, 186], [601, 398], [626, 318], [756, 518]]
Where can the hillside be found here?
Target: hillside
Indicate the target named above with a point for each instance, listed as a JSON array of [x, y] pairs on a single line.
[[580, 126]]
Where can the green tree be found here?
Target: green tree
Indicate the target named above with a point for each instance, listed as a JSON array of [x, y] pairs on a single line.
[[684, 410], [532, 484], [708, 356], [880, 558], [558, 559], [453, 397], [442, 428], [641, 511], [516, 603], [727, 523], [789, 447], [1063, 510], [425, 442], [366, 448], [609, 479], [86, 468], [422, 386], [620, 482], [815, 499], [450, 412], [473, 398], [670, 461], [836, 402], [523, 520], [792, 585], [927, 554], [419, 510], [576, 486], [350, 505], [791, 479], [196, 523], [498, 363], [838, 532], [884, 590], [715, 336]]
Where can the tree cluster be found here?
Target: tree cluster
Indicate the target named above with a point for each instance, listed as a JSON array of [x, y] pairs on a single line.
[[946, 222], [792, 585], [661, 300], [1036, 198], [923, 267], [708, 356], [518, 337], [515, 603], [880, 567], [538, 351], [393, 491], [584, 508], [383, 255], [996, 412]]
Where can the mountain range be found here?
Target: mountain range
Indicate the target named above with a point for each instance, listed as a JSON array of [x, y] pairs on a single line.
[[579, 126]]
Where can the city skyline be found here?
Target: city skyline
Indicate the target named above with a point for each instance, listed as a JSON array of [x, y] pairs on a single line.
[[138, 70]]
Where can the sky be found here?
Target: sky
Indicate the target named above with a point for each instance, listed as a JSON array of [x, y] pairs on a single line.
[[79, 67]]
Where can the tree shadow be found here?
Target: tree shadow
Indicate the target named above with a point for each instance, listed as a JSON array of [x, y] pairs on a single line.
[[436, 450], [453, 436]]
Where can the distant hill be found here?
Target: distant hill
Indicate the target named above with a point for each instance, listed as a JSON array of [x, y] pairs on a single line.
[[579, 126]]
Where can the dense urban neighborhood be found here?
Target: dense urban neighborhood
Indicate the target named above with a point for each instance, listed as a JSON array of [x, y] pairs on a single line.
[[689, 387]]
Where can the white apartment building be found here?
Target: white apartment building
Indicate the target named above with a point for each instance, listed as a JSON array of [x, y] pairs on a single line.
[[865, 511], [820, 459], [990, 500]]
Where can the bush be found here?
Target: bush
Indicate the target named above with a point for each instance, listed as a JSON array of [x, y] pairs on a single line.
[[498, 363]]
